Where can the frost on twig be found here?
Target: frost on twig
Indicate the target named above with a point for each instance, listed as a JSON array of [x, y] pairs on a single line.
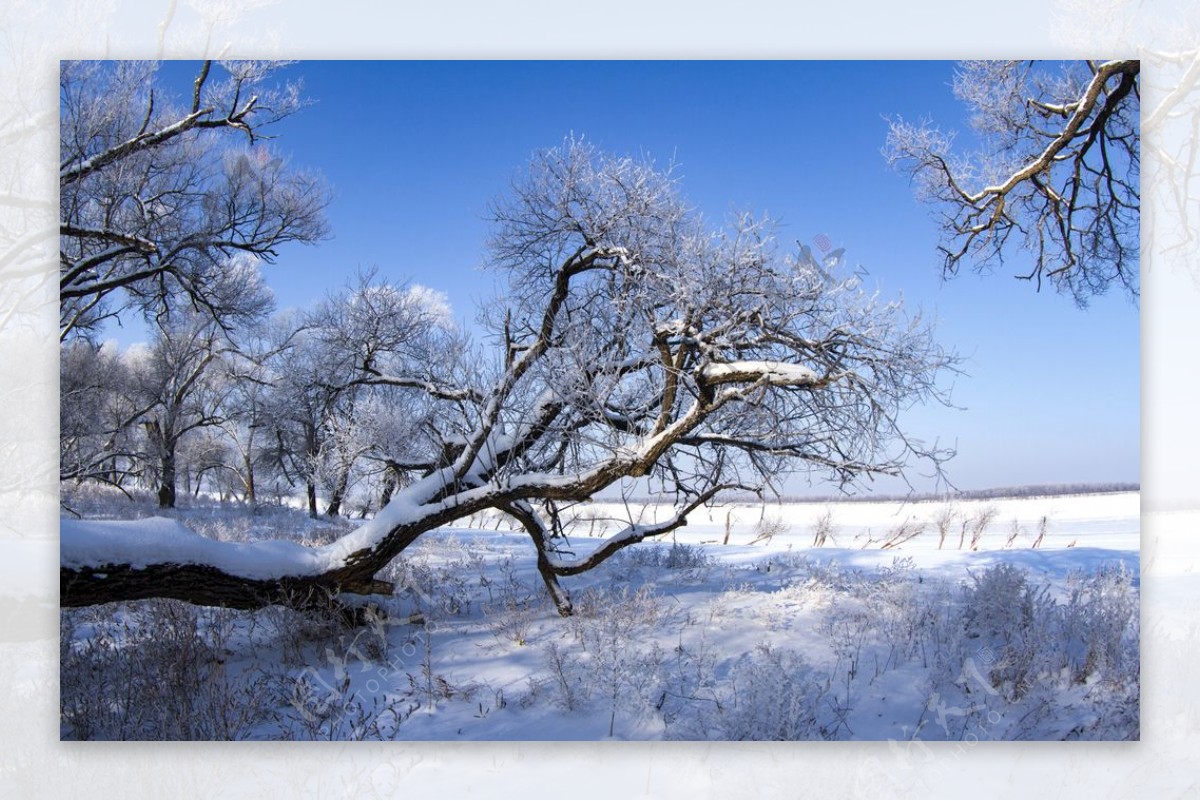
[[1054, 188]]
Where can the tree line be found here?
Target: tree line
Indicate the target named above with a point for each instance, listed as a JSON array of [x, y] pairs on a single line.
[[284, 403]]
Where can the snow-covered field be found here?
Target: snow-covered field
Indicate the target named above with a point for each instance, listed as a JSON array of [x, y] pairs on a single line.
[[977, 620]]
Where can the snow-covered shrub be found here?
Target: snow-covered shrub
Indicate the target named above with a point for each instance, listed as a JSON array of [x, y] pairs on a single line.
[[689, 688], [813, 574], [977, 524], [328, 704], [1013, 623], [326, 626], [1100, 624], [847, 627], [771, 694], [677, 556], [96, 501], [435, 588], [944, 521], [908, 530], [900, 613], [512, 606], [614, 666], [564, 670], [767, 528], [823, 529], [1012, 663]]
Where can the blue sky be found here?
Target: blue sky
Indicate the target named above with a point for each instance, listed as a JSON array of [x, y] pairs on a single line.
[[415, 150]]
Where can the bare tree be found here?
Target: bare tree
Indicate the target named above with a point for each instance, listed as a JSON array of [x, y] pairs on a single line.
[[180, 392], [251, 370], [356, 382], [640, 347], [1058, 168], [157, 200], [384, 345], [97, 409], [300, 400]]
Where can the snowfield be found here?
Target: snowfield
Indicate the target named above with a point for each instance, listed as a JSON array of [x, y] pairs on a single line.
[[972, 620]]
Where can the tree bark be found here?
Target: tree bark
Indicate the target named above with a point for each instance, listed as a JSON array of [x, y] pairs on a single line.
[[338, 495], [251, 490], [166, 484], [389, 486], [310, 491], [206, 586]]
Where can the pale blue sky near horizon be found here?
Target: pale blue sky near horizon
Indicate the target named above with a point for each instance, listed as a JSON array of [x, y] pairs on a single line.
[[414, 151]]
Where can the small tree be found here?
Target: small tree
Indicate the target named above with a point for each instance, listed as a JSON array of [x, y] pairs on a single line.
[[639, 345], [244, 423], [356, 382], [1058, 168]]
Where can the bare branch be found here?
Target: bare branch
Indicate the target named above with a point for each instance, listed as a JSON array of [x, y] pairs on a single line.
[[1060, 168]]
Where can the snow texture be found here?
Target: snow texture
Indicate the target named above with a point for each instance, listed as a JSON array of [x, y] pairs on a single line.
[[762, 637], [776, 373]]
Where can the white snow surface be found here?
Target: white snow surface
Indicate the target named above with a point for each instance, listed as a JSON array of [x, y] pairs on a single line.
[[161, 540], [1107, 521], [660, 650]]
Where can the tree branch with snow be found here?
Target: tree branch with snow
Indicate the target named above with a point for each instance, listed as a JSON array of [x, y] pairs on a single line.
[[1055, 185]]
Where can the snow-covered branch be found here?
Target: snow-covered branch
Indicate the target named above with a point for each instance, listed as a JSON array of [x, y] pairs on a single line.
[[155, 202], [1058, 175]]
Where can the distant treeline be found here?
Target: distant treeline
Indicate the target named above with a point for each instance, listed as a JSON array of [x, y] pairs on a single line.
[[1024, 491]]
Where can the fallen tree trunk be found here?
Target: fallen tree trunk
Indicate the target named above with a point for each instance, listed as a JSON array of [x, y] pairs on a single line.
[[106, 561], [204, 585]]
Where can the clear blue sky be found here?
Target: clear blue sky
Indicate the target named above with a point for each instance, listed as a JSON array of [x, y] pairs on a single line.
[[415, 150]]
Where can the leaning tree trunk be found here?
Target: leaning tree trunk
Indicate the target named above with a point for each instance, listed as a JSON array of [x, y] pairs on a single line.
[[100, 564], [149, 559], [338, 496]]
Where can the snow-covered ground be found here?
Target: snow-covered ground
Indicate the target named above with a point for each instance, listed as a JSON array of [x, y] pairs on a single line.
[[913, 621]]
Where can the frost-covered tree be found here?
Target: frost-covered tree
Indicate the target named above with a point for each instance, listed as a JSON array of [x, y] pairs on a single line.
[[638, 345], [170, 202], [180, 390], [249, 406], [339, 409], [1055, 186], [383, 345], [299, 401], [98, 408]]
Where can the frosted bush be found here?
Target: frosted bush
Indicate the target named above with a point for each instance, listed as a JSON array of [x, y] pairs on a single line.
[[823, 529], [767, 528], [771, 694], [677, 556], [1013, 623], [1100, 625], [153, 671]]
